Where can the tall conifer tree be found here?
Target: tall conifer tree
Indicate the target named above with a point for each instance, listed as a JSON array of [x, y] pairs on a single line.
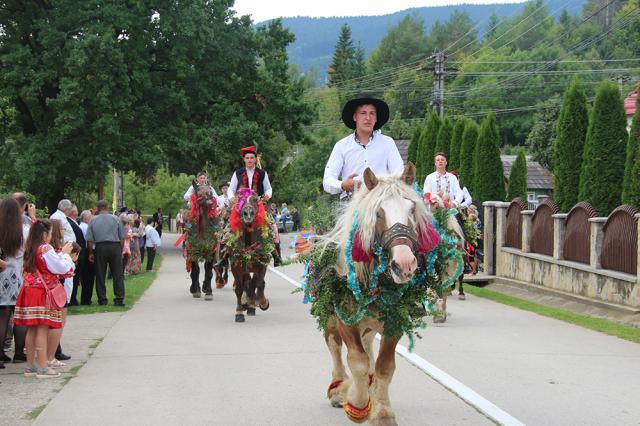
[[488, 182], [571, 132], [604, 153]]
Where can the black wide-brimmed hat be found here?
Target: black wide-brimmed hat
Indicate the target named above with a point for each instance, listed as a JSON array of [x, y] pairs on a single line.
[[382, 110]]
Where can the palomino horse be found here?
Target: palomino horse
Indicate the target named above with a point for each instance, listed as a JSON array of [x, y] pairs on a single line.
[[386, 219], [249, 245], [434, 202], [201, 238]]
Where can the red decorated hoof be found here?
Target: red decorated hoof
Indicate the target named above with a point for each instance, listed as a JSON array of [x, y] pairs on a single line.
[[358, 415]]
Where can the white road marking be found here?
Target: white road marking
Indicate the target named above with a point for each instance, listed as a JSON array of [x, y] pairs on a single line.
[[467, 394]]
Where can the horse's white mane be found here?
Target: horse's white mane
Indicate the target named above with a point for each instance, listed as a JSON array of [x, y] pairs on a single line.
[[365, 204]]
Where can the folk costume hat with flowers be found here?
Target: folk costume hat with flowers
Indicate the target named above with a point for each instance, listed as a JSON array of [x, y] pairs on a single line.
[[382, 110]]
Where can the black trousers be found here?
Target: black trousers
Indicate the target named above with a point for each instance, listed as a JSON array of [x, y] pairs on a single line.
[[87, 276], [76, 281], [109, 253], [151, 255]]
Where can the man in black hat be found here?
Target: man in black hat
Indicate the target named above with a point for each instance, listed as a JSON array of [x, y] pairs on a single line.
[[366, 147]]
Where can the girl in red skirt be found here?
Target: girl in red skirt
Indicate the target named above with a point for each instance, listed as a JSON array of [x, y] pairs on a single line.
[[42, 265]]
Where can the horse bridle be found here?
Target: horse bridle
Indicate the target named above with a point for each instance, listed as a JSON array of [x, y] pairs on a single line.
[[398, 234]]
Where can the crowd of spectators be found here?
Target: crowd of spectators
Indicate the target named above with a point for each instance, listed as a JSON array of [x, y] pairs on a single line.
[[47, 264]]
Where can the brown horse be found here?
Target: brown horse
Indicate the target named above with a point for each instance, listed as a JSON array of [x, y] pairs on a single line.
[[249, 247], [393, 218], [201, 239]]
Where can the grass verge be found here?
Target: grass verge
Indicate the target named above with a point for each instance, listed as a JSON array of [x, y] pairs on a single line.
[[135, 286], [623, 331], [31, 415]]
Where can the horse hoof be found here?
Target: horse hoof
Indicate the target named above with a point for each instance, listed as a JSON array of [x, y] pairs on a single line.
[[357, 415], [220, 284], [197, 295], [208, 296], [239, 317], [251, 312], [264, 308]]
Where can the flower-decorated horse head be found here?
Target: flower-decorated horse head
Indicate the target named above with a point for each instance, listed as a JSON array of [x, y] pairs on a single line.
[[249, 243], [379, 272]]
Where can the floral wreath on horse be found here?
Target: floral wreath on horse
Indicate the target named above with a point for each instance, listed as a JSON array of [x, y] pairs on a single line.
[[201, 227]]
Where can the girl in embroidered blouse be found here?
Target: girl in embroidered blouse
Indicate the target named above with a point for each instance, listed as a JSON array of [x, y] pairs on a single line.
[[42, 267]]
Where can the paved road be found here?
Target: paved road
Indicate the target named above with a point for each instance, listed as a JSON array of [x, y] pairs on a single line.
[[173, 359]]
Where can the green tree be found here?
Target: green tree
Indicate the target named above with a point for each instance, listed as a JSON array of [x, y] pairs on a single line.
[[467, 149], [403, 43], [443, 140], [571, 132], [630, 193], [135, 87], [344, 62], [543, 134], [604, 153], [518, 177], [413, 145], [427, 146], [456, 143], [488, 182]]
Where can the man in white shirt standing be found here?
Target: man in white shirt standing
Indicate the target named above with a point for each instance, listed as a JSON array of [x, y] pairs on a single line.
[[64, 210], [366, 147], [443, 183], [152, 243]]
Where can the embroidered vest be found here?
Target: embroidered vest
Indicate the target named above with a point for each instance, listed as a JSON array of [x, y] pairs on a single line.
[[259, 187]]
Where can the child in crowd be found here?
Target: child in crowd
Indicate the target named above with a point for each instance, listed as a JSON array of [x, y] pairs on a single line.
[[42, 267]]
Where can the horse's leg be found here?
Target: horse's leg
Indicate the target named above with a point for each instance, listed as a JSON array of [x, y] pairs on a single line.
[[239, 290], [263, 302], [208, 276], [339, 379], [382, 414], [367, 337], [357, 404], [250, 291], [195, 279]]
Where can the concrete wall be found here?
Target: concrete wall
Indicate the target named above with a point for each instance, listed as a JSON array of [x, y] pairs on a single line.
[[552, 272]]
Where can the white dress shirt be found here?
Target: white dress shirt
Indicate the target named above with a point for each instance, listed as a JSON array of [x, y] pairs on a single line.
[[187, 195], [446, 184], [153, 239], [233, 186], [349, 156], [224, 201], [69, 236], [466, 198]]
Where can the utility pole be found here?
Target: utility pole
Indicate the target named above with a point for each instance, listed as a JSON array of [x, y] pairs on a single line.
[[621, 80], [439, 59]]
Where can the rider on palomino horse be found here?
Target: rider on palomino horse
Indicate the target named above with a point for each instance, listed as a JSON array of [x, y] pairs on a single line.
[[444, 185], [201, 229], [365, 147]]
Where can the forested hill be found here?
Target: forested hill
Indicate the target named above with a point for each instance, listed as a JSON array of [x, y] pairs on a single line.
[[316, 37]]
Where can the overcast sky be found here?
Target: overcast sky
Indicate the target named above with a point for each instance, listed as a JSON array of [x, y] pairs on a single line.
[[261, 10]]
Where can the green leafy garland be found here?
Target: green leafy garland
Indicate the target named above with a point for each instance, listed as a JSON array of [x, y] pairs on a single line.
[[260, 251], [205, 249], [470, 231], [401, 308]]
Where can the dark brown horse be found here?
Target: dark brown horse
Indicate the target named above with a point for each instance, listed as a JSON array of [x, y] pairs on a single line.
[[249, 252], [201, 238]]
